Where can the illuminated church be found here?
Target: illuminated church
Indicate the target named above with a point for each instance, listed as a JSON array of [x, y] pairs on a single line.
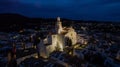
[[62, 37]]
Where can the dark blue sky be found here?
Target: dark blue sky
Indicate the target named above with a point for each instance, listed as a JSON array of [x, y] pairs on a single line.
[[72, 9]]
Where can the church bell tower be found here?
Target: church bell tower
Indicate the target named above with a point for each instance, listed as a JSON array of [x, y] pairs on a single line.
[[58, 25]]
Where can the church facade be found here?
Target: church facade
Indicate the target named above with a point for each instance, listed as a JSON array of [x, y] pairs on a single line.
[[58, 40]]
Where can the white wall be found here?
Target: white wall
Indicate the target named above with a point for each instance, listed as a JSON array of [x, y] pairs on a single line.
[[73, 36], [56, 39]]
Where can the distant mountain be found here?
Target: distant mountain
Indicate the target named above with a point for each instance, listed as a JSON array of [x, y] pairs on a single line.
[[11, 15], [12, 18], [9, 18], [20, 19]]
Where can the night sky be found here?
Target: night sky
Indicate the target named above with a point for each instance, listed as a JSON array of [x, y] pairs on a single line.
[[71, 9]]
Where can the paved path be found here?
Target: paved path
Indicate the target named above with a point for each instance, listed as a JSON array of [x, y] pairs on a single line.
[[19, 60]]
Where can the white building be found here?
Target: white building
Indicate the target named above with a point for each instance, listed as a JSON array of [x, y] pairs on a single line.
[[58, 40]]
